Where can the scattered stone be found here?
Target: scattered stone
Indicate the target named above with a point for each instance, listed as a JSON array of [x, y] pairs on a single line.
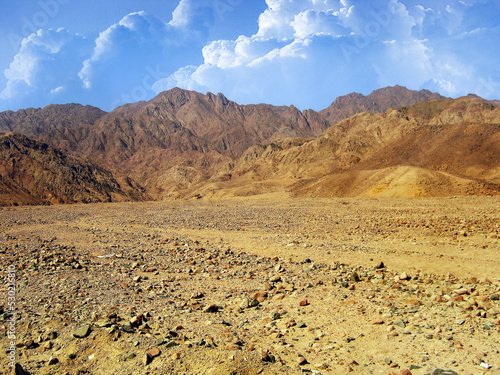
[[175, 356], [171, 344], [52, 361], [211, 309], [400, 323], [302, 361], [279, 268], [146, 359], [82, 332], [154, 352], [443, 372], [354, 277], [197, 295]]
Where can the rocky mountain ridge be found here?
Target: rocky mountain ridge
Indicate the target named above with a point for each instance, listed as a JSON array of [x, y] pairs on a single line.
[[33, 172], [181, 143]]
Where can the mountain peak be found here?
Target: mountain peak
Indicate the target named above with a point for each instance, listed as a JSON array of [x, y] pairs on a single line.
[[378, 101]]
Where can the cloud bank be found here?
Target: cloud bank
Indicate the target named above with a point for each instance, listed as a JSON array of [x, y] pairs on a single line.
[[303, 52]]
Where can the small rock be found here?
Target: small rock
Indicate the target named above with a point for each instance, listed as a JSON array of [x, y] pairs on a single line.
[[354, 277], [400, 323], [104, 323], [154, 352], [443, 372], [279, 268], [171, 344], [82, 332], [253, 303], [147, 359], [303, 302], [403, 276], [52, 361], [302, 361], [197, 295], [175, 356], [211, 309]]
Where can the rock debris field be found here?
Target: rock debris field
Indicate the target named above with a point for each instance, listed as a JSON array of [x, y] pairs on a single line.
[[255, 286]]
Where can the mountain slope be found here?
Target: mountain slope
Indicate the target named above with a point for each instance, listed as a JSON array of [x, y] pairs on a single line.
[[442, 147], [378, 101], [183, 143], [62, 126], [32, 172], [181, 137]]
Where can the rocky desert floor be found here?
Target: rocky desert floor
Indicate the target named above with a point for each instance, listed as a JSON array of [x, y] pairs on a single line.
[[254, 286]]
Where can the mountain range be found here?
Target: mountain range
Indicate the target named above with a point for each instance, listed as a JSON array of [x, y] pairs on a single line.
[[184, 144]]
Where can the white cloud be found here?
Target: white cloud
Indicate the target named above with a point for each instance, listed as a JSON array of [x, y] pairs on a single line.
[[303, 52], [57, 90], [45, 59], [136, 32], [322, 48]]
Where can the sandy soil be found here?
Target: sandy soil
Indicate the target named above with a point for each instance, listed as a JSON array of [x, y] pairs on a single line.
[[248, 286]]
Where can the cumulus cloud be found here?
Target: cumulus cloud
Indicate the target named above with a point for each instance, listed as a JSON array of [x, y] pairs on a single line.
[[46, 61], [302, 52], [321, 48], [119, 66], [137, 33]]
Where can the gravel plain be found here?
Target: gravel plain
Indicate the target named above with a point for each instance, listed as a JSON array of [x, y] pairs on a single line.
[[255, 286]]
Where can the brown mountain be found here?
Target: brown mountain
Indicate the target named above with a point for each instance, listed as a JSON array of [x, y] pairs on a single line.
[[442, 147], [181, 137], [32, 172], [62, 126], [378, 101], [183, 143]]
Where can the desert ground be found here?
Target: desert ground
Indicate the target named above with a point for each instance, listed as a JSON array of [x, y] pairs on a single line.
[[254, 286]]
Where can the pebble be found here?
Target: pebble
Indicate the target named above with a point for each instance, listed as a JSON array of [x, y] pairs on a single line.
[[175, 356], [52, 361], [82, 332], [302, 361], [211, 309], [154, 352], [146, 359]]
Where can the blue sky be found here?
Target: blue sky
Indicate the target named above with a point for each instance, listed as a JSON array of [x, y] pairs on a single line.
[[301, 52]]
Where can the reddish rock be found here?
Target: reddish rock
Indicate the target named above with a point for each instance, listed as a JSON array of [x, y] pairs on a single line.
[[154, 352]]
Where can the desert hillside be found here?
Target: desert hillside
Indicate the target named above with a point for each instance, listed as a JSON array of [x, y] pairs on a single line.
[[184, 144], [437, 148], [32, 172]]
